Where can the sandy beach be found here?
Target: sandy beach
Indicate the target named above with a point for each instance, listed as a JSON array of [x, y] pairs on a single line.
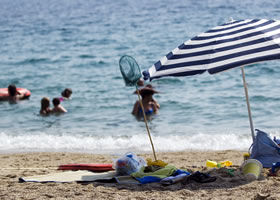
[[13, 166]]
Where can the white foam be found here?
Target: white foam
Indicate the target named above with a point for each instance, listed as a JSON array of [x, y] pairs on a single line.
[[111, 144]]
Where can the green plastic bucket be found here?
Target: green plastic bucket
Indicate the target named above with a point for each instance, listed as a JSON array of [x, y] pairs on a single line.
[[251, 169]]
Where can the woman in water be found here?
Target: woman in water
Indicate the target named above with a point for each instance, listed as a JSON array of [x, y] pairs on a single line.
[[149, 103], [45, 106]]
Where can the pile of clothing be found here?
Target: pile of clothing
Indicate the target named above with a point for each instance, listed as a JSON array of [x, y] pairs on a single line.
[[157, 171]]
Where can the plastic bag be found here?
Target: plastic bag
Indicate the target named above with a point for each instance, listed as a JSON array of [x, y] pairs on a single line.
[[128, 164]]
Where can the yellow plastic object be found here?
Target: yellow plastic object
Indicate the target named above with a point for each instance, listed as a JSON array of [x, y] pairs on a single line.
[[251, 169], [246, 156], [212, 164], [157, 162], [226, 163]]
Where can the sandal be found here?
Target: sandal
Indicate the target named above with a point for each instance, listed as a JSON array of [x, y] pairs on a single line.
[[199, 177]]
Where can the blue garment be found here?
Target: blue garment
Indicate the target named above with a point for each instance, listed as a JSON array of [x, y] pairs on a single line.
[[173, 179], [148, 179], [152, 179], [179, 171], [147, 112]]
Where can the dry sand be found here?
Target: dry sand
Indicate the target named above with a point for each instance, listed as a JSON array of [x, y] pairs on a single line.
[[13, 166]]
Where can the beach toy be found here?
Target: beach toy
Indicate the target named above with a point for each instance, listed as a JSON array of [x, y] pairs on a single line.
[[274, 168], [246, 156], [230, 172], [226, 163], [212, 164], [159, 163], [4, 92], [251, 169]]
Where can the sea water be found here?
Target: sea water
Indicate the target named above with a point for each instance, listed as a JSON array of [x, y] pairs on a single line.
[[46, 46]]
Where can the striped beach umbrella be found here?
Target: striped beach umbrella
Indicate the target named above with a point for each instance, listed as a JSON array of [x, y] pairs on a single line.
[[227, 46]]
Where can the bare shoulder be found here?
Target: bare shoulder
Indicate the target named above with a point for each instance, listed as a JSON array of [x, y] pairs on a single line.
[[59, 109]]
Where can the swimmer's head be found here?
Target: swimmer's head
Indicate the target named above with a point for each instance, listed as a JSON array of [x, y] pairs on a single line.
[[12, 90], [56, 101], [45, 103], [67, 92]]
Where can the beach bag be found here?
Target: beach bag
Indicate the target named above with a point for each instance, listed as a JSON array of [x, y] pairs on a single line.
[[265, 149], [128, 164]]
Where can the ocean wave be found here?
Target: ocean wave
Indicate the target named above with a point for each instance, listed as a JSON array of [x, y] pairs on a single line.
[[113, 144]]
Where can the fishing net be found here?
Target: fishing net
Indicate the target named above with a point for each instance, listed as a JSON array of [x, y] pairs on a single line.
[[131, 75], [130, 70]]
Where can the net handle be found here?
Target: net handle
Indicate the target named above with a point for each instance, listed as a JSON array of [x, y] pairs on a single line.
[[146, 123]]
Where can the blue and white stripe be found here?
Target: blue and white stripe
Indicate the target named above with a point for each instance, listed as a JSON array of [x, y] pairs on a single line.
[[224, 47]]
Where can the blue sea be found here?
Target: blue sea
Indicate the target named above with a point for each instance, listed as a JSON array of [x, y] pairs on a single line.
[[46, 46]]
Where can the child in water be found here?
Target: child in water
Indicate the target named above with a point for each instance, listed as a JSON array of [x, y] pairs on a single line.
[[57, 107], [66, 94]]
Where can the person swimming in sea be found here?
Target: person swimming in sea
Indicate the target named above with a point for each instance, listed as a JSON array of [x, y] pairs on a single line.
[[66, 94], [45, 106], [151, 106], [58, 108], [13, 95]]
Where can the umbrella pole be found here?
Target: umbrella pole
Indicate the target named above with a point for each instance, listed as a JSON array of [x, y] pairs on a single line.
[[248, 103], [145, 119]]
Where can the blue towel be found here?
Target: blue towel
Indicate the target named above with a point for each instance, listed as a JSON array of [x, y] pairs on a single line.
[[148, 179]]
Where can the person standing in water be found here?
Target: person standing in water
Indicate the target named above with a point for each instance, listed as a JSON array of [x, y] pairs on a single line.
[[45, 106], [150, 105], [57, 107]]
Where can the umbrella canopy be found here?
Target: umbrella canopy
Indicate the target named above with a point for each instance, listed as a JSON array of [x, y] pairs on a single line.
[[230, 45], [221, 48]]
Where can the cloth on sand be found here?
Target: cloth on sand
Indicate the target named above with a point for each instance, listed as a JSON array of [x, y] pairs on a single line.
[[173, 179], [94, 167], [126, 180], [155, 176], [80, 176], [265, 149], [69, 176], [148, 179], [161, 173]]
